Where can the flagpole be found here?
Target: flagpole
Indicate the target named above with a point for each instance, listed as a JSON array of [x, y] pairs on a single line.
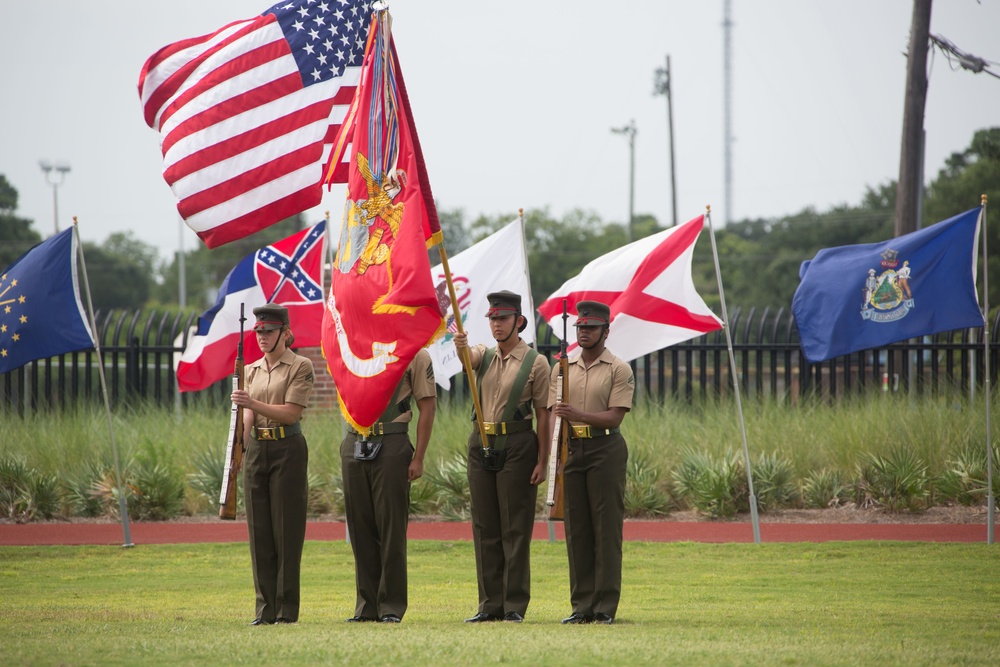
[[330, 255], [527, 274], [534, 322], [990, 498], [463, 354], [122, 503], [736, 380]]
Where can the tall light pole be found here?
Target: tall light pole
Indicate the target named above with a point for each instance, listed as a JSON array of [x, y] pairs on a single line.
[[727, 55], [629, 131], [55, 179], [661, 86]]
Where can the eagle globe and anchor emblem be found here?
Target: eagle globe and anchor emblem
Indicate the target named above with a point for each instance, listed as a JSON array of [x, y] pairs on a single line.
[[887, 296]]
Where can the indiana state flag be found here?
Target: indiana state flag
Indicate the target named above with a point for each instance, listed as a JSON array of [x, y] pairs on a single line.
[[866, 296], [41, 314]]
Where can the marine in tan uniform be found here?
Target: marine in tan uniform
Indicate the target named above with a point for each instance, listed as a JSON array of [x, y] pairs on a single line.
[[377, 471], [600, 393], [275, 487], [504, 485]]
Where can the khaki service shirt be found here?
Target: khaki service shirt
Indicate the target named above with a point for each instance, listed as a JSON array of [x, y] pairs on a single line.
[[290, 381], [498, 380], [608, 383], [417, 381]]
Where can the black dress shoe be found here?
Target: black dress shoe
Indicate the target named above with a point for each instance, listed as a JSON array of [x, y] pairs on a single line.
[[606, 619], [390, 618], [513, 617], [359, 619], [260, 621], [577, 618], [482, 617]]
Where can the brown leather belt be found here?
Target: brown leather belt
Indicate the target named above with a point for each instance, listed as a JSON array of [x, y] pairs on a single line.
[[279, 432]]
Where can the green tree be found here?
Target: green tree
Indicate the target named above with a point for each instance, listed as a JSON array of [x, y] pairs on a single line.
[[557, 249], [960, 185], [115, 281], [16, 235]]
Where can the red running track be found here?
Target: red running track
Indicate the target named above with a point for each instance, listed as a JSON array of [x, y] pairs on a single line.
[[644, 531]]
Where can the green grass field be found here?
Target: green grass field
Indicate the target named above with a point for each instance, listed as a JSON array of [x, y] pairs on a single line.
[[859, 603]]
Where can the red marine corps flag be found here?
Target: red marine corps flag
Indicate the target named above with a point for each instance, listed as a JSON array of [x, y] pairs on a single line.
[[382, 306]]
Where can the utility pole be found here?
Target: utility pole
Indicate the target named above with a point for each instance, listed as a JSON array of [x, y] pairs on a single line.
[[630, 132], [911, 176], [661, 86]]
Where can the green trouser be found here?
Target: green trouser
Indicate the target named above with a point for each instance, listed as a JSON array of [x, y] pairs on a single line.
[[594, 479], [377, 504], [503, 516], [276, 495]]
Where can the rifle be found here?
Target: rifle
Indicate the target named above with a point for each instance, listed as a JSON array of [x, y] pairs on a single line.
[[559, 451], [234, 449]]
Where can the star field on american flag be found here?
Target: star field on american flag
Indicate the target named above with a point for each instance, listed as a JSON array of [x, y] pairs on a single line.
[[325, 37]]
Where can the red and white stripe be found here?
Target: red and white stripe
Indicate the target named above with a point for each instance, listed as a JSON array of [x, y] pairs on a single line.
[[243, 140]]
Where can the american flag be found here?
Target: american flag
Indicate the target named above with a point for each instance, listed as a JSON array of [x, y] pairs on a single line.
[[247, 114]]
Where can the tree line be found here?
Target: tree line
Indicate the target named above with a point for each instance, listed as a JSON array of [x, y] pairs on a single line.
[[759, 258]]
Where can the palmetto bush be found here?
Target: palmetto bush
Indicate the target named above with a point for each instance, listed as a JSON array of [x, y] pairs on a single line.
[[774, 482], [824, 488], [81, 498], [895, 481], [645, 494], [715, 486], [159, 491], [450, 482], [964, 479], [206, 480], [25, 493]]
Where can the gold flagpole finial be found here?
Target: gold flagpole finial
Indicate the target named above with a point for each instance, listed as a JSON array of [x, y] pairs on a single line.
[[983, 198], [74, 217], [708, 208], [520, 211]]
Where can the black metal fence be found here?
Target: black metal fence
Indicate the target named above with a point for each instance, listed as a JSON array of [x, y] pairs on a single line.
[[139, 348]]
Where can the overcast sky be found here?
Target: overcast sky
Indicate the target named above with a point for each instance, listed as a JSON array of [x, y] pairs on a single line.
[[514, 102]]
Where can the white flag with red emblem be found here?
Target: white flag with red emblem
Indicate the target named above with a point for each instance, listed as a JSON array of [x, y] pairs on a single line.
[[650, 291], [494, 264]]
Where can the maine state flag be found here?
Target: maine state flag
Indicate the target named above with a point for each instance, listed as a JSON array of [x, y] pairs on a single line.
[[860, 297], [41, 314]]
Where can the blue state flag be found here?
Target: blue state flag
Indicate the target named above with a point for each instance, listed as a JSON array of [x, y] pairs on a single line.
[[41, 314], [860, 297]]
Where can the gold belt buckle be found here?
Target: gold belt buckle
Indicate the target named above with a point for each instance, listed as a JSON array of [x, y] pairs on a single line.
[[490, 428], [265, 433], [581, 431]]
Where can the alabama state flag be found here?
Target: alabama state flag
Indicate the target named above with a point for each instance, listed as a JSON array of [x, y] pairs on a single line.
[[382, 306]]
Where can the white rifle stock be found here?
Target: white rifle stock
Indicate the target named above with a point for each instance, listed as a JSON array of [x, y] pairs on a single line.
[[235, 446]]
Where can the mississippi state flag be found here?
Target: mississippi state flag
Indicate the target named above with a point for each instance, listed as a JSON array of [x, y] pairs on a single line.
[[649, 288], [289, 272], [382, 307]]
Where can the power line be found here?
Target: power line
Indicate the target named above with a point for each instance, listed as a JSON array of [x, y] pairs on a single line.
[[965, 60]]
